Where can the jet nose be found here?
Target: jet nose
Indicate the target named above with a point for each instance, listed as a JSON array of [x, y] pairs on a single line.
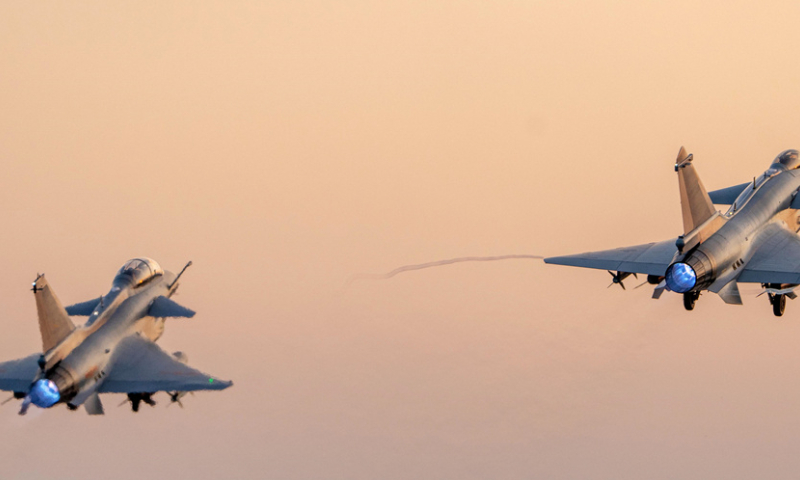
[[44, 393]]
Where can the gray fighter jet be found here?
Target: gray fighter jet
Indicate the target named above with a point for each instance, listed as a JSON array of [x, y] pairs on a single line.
[[113, 352], [755, 241]]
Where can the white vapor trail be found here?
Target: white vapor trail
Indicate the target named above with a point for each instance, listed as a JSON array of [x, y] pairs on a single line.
[[439, 263]]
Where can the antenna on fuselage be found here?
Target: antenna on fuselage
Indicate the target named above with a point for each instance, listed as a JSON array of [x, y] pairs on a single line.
[[179, 275]]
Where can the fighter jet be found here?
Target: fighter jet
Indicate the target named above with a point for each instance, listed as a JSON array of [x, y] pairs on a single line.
[[113, 352], [755, 241]]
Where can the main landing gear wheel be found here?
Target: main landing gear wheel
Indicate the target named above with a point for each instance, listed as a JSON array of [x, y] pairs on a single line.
[[689, 299], [778, 304]]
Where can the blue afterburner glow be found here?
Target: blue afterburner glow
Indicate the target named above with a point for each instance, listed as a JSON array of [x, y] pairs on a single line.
[[44, 393], [680, 277]]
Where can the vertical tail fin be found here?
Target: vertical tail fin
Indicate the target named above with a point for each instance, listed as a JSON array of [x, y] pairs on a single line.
[[696, 205], [54, 323]]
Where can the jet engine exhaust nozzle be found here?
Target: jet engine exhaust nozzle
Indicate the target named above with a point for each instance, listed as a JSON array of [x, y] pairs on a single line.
[[44, 393], [680, 277]]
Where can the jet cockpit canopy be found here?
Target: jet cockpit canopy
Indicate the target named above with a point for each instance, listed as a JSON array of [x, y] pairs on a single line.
[[790, 159], [140, 270]]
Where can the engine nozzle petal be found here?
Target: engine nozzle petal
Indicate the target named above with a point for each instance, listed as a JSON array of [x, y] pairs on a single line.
[[44, 393], [680, 277]]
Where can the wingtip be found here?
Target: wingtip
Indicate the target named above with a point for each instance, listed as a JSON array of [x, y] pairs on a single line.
[[560, 260], [221, 384]]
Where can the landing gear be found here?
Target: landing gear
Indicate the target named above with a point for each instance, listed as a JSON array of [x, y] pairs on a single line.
[[689, 299], [778, 302], [777, 293], [137, 398]]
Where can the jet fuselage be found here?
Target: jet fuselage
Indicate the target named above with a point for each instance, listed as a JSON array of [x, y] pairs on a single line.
[[82, 370], [761, 208]]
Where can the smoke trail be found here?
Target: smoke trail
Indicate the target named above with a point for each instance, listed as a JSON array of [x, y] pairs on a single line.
[[407, 268]]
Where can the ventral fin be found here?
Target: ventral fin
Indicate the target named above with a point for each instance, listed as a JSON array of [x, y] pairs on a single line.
[[730, 293], [93, 405]]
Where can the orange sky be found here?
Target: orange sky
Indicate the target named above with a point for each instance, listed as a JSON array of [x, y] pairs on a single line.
[[283, 146]]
